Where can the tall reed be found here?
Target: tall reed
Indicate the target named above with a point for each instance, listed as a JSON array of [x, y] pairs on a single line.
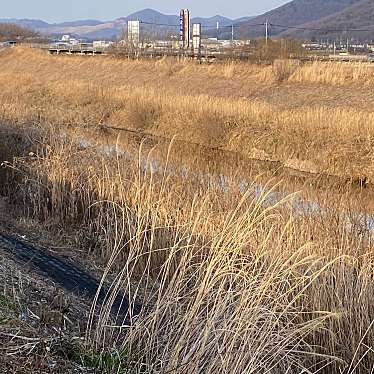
[[228, 279]]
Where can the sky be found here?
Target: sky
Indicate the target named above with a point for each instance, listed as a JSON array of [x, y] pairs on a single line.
[[66, 10]]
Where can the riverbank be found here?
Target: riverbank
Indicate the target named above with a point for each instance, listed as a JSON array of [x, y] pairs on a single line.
[[211, 250], [239, 266], [318, 119]]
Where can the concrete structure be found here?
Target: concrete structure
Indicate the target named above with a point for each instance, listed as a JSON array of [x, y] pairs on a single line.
[[133, 32], [69, 40], [102, 44], [81, 48], [196, 39]]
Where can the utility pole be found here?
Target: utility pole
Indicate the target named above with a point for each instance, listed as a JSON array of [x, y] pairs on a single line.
[[347, 35], [266, 31], [217, 30], [232, 34]]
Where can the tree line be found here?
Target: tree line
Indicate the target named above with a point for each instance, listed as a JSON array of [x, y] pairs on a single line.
[[9, 31]]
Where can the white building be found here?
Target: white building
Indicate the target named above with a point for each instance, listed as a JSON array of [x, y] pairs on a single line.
[[102, 44], [69, 40]]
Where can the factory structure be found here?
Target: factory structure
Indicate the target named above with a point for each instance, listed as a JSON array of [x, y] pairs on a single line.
[[185, 29], [189, 40], [134, 32], [195, 40]]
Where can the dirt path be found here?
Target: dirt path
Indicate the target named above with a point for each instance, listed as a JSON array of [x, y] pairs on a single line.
[[65, 274], [46, 292]]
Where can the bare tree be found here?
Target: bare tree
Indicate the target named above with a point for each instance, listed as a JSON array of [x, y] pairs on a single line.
[[9, 31]]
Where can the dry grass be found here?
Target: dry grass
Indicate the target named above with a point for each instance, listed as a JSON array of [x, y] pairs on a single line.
[[83, 92], [284, 69], [36, 333], [335, 73], [230, 279]]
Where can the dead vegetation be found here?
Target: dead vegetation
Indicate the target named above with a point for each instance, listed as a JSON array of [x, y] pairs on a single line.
[[39, 323], [287, 112], [9, 31], [229, 279], [233, 275]]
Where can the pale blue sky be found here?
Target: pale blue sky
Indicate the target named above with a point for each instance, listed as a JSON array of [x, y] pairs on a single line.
[[63, 10]]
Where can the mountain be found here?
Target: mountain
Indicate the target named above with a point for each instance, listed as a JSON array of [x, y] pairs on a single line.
[[294, 13], [93, 29], [327, 15], [358, 16], [151, 16], [243, 19], [34, 24], [212, 21], [9, 31], [86, 22], [111, 29]]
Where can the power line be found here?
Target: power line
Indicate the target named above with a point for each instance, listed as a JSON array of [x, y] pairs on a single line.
[[158, 24], [206, 26], [240, 25], [243, 25], [321, 29], [267, 26]]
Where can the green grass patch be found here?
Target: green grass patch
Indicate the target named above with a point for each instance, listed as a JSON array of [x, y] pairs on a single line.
[[5, 302], [4, 320], [106, 362]]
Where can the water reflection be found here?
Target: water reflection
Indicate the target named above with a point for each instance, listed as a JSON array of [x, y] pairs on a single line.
[[269, 181]]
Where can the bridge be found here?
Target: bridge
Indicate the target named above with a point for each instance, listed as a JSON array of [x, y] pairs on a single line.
[[205, 54], [81, 49]]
